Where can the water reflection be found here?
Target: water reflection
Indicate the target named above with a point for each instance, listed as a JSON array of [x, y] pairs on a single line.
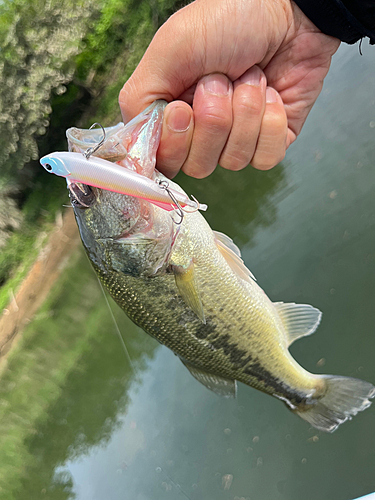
[[91, 398]]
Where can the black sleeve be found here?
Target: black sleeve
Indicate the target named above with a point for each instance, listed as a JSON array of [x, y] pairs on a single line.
[[347, 20]]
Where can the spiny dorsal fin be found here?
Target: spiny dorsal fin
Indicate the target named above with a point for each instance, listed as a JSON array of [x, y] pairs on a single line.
[[299, 319], [188, 288], [219, 385], [232, 255]]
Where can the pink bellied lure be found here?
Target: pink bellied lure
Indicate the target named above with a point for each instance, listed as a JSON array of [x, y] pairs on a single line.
[[124, 162]]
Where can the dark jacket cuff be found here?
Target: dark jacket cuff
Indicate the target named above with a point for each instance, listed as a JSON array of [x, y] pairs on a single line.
[[334, 18]]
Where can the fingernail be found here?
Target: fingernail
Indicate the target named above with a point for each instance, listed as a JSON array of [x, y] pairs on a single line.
[[252, 77], [217, 84], [271, 95], [178, 119]]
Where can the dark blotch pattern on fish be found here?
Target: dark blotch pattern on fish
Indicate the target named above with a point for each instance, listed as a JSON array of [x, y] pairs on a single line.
[[251, 366], [237, 356], [204, 331], [256, 370]]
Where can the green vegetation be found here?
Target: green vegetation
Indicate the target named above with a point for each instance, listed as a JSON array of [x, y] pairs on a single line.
[[62, 64], [39, 41]]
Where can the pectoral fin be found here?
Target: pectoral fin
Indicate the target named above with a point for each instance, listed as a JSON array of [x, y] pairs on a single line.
[[188, 288], [219, 385], [299, 319], [232, 255]]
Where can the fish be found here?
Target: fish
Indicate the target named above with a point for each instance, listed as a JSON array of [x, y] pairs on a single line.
[[187, 286]]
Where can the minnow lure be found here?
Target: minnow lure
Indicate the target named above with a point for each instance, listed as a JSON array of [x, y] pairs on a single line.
[[121, 159], [112, 177]]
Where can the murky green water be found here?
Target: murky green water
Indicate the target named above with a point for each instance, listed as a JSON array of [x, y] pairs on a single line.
[[80, 421]]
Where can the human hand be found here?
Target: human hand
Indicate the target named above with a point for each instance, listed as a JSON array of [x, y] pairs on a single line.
[[252, 70]]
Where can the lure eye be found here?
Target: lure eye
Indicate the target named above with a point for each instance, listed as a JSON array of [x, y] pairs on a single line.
[[81, 195], [48, 167]]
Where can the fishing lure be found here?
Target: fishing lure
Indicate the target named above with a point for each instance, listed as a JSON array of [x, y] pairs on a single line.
[[94, 171]]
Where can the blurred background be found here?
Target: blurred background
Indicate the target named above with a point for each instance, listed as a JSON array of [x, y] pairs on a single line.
[[83, 419]]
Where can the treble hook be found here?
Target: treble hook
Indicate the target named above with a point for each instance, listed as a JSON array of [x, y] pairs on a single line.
[[165, 185], [92, 150]]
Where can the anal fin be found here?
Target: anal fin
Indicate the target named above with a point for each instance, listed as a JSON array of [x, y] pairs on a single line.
[[221, 386]]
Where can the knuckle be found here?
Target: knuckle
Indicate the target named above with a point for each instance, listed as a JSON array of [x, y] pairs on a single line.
[[234, 160], [167, 160], [216, 122], [250, 103], [169, 171], [193, 169]]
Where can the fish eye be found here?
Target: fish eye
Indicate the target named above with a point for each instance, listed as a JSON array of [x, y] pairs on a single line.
[[48, 167], [81, 195]]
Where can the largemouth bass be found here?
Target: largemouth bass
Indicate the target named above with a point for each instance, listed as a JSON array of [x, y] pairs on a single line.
[[188, 287]]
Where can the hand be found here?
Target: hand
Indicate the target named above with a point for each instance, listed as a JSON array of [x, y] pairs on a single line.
[[252, 70]]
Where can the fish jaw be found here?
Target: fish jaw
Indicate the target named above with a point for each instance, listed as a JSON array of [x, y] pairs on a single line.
[[145, 133], [133, 145], [79, 140]]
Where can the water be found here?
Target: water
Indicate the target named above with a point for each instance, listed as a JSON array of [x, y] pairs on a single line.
[[80, 422]]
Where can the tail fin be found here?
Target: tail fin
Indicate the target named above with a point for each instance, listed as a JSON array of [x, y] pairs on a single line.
[[344, 398]]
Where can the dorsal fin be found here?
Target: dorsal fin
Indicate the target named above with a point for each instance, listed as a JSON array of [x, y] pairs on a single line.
[[299, 320], [219, 385], [188, 288], [232, 255]]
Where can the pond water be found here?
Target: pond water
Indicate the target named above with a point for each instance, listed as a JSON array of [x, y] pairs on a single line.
[[85, 419]]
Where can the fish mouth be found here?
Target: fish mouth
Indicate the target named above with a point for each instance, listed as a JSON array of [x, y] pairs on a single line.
[[132, 145]]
